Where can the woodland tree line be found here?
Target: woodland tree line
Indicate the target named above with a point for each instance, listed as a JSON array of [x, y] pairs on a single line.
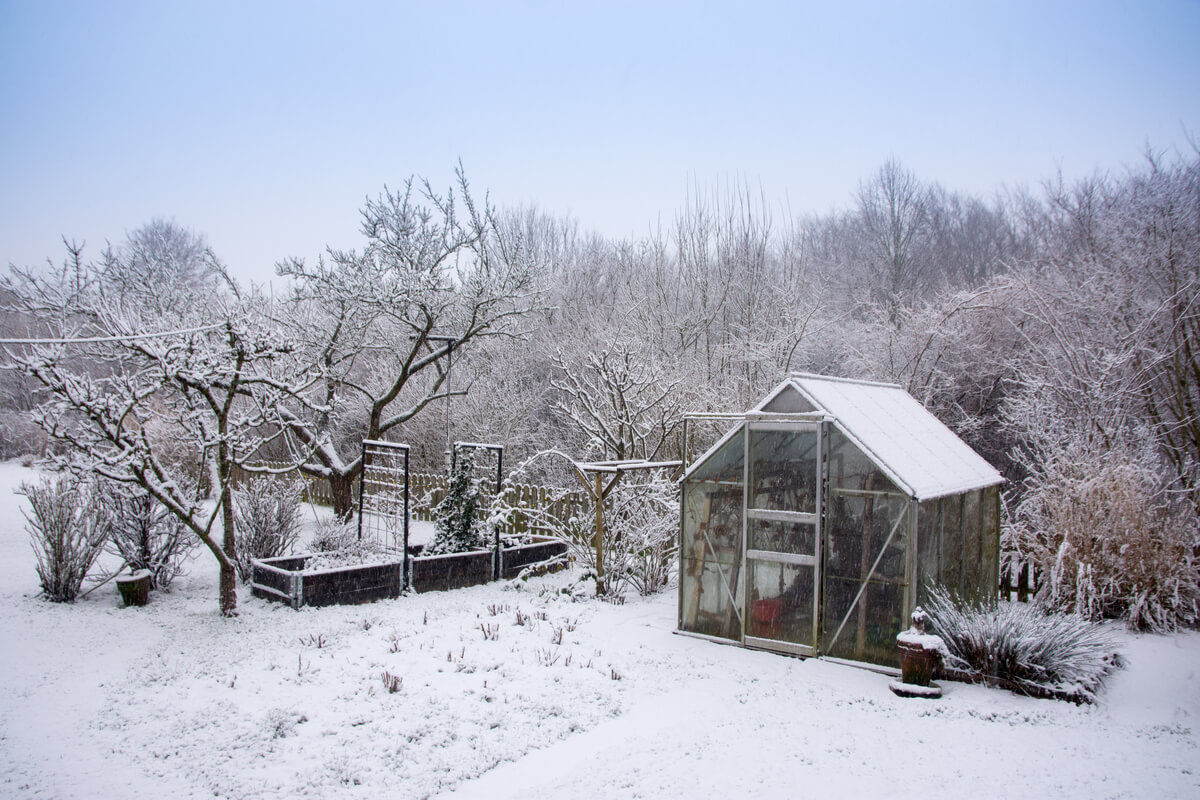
[[1056, 330]]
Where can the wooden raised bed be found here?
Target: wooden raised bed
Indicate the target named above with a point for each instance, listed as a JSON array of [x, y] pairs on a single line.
[[542, 549], [285, 579], [451, 571]]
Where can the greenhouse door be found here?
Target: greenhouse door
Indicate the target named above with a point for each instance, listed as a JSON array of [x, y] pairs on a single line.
[[782, 553]]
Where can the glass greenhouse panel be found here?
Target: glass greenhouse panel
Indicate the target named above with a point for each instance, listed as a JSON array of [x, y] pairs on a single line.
[[929, 547], [782, 537], [781, 602], [870, 631], [865, 557], [711, 544], [972, 545], [789, 401], [783, 469], [951, 557], [707, 606], [712, 523], [725, 465], [990, 533]]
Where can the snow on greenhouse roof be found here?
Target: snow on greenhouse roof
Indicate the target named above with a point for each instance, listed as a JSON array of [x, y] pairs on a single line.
[[898, 432]]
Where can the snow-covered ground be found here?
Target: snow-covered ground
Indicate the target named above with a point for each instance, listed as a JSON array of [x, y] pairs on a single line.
[[584, 699]]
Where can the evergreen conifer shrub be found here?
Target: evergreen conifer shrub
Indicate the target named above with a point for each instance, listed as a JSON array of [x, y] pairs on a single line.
[[459, 527]]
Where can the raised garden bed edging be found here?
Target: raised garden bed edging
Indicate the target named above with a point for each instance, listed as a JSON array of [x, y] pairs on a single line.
[[450, 571], [513, 560], [284, 579]]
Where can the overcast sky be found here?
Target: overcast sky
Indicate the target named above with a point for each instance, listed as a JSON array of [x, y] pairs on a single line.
[[264, 125]]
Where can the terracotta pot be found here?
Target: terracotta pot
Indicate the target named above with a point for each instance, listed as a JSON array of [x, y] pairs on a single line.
[[916, 663]]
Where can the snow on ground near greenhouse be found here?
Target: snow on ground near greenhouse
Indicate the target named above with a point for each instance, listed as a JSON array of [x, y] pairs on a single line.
[[173, 701]]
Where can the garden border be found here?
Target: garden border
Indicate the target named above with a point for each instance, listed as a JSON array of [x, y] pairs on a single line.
[[283, 579]]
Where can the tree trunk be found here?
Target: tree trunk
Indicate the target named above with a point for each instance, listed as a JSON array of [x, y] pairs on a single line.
[[344, 499], [228, 581]]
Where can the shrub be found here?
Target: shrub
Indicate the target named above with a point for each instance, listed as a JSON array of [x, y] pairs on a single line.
[[641, 526], [145, 534], [68, 528], [332, 535], [20, 435], [1102, 530], [459, 528], [1023, 647], [643, 531], [267, 514]]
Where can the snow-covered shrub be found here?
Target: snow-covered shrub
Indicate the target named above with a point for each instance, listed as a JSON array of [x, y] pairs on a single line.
[[68, 528], [267, 512], [1101, 529], [280, 723], [546, 510], [19, 435], [458, 524], [145, 534], [1024, 647], [333, 534], [641, 526], [645, 531]]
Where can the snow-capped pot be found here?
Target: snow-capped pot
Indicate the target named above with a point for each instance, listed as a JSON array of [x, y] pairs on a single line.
[[135, 587], [920, 652]]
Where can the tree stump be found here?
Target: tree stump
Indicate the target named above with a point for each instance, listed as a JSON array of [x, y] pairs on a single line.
[[135, 588]]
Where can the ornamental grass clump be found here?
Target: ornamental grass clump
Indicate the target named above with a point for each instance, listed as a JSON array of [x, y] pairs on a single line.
[[67, 528], [1023, 647]]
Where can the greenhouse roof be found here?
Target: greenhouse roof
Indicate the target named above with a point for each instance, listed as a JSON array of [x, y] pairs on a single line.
[[923, 455]]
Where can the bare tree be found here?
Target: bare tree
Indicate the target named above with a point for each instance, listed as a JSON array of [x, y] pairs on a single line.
[[382, 324], [623, 403], [156, 397], [893, 211], [158, 266], [1111, 309]]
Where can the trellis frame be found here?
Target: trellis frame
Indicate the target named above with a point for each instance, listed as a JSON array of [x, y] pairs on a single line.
[[498, 449], [377, 447]]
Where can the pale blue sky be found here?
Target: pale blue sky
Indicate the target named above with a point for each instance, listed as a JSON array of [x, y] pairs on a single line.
[[264, 125]]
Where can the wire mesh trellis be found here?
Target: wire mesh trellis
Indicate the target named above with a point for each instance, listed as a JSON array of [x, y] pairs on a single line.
[[383, 496], [481, 467]]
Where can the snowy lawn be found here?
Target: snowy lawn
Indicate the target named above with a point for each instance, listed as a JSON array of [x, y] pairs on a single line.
[[173, 701]]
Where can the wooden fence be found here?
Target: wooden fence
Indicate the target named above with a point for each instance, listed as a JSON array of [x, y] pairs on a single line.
[[534, 506], [316, 490], [1019, 581]]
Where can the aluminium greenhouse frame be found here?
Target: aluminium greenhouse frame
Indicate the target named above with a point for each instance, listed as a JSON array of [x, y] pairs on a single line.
[[818, 522]]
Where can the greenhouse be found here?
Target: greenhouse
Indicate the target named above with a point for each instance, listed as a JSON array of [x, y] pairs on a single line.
[[818, 523]]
